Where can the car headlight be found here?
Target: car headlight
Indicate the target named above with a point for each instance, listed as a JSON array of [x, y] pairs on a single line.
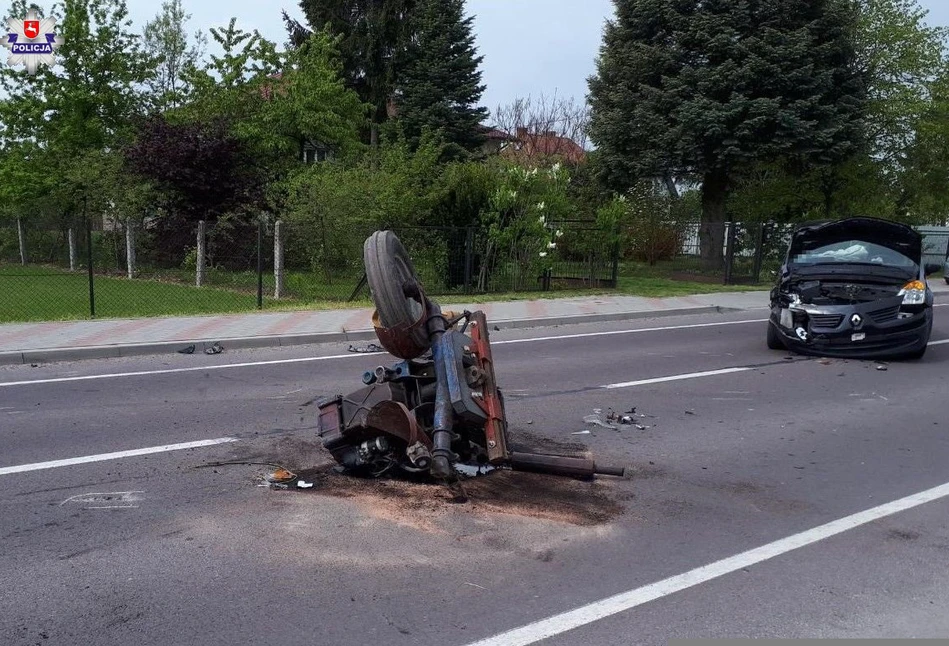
[[913, 293]]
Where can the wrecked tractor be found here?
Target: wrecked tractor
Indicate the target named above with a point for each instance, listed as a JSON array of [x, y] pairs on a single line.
[[439, 406]]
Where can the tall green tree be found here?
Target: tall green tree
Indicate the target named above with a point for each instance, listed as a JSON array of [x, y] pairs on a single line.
[[172, 52], [373, 35], [710, 88], [440, 85]]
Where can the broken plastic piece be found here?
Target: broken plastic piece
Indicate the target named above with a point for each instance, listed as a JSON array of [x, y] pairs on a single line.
[[580, 433], [595, 419], [369, 349], [302, 484], [625, 419], [217, 348], [881, 367], [281, 475]]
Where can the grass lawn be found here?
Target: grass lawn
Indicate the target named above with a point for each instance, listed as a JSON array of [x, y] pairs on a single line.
[[39, 293]]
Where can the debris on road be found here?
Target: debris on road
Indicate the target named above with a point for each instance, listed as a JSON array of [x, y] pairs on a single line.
[[881, 367], [367, 349], [597, 419], [302, 484], [581, 433], [690, 412], [217, 348], [188, 350], [281, 475]]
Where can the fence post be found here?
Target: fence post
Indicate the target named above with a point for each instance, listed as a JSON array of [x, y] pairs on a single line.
[[759, 252], [278, 288], [21, 234], [92, 288], [73, 250], [260, 262], [729, 251], [614, 273], [130, 247], [202, 253], [469, 258]]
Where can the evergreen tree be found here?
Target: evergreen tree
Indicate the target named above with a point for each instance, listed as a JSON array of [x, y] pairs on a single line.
[[440, 84], [371, 34], [709, 88]]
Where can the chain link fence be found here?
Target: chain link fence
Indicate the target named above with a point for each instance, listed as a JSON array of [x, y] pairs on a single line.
[[75, 268]]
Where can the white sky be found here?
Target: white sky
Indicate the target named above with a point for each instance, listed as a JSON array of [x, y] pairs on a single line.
[[530, 47]]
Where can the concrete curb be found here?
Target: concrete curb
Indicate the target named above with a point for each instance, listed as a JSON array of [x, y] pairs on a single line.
[[49, 355]]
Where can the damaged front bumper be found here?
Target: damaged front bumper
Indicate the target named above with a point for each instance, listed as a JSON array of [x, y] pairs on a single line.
[[875, 329]]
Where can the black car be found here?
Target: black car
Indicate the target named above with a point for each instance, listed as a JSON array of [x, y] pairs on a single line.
[[853, 288]]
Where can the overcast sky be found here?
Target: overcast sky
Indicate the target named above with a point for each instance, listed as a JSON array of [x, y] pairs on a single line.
[[530, 47]]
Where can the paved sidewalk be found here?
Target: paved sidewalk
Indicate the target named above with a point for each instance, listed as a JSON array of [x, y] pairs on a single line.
[[71, 340]]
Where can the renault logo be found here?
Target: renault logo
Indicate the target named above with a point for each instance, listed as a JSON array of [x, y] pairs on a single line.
[[856, 320]]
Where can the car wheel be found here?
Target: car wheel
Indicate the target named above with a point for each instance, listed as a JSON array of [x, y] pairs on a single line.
[[774, 340]]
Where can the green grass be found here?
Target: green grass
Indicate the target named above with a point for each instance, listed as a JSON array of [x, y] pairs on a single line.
[[40, 293]]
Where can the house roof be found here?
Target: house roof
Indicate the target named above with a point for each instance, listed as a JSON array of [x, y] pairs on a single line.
[[537, 146]]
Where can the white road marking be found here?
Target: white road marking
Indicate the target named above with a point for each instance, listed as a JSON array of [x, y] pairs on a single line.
[[37, 466], [561, 623], [688, 375], [350, 355], [100, 496], [274, 362]]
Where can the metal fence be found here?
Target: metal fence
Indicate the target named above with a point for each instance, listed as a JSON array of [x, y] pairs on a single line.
[[79, 268], [72, 268]]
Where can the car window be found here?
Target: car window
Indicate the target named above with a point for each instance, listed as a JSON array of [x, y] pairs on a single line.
[[853, 251]]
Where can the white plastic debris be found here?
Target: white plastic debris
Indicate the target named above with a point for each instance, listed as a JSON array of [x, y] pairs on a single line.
[[302, 484]]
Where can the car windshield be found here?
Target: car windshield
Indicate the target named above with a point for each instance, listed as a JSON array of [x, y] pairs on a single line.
[[853, 252]]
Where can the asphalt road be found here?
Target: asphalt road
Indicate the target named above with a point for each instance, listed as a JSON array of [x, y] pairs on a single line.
[[162, 549]]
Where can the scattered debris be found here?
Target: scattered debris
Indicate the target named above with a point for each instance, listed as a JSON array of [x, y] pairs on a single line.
[[188, 350], [641, 427], [881, 367], [497, 329], [580, 433], [281, 475], [825, 362], [530, 421], [34, 365], [302, 484], [217, 348], [475, 585], [690, 412], [625, 419], [595, 419], [368, 349]]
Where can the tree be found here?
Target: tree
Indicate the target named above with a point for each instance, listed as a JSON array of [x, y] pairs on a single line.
[[901, 57], [373, 35], [201, 170], [709, 89], [564, 117], [440, 84], [171, 51]]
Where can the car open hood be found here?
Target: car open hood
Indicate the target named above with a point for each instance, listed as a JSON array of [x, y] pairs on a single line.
[[893, 235]]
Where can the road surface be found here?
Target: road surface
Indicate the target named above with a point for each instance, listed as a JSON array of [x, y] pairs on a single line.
[[826, 479]]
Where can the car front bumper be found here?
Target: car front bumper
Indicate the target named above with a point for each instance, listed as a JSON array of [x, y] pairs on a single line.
[[884, 330]]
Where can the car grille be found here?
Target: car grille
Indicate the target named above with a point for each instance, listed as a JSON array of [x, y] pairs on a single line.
[[886, 314], [826, 320]]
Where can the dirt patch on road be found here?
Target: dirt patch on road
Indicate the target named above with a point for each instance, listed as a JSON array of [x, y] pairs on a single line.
[[500, 492]]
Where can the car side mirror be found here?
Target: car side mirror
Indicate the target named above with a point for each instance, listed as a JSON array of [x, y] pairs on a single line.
[[932, 268]]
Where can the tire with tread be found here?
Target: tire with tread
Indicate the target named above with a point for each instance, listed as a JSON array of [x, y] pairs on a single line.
[[388, 268], [774, 341]]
